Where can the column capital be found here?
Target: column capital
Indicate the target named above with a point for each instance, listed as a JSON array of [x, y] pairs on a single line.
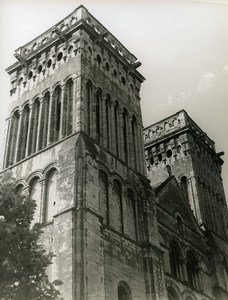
[[31, 106], [21, 111], [41, 98], [120, 110]]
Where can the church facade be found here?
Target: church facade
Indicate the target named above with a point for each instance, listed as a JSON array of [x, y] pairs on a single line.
[[129, 213]]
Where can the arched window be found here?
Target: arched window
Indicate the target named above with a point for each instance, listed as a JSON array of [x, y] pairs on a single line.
[[124, 291], [103, 196], [184, 186], [116, 140], [98, 117], [44, 121], [56, 114], [24, 132], [107, 110], [88, 105], [134, 139], [180, 225], [172, 294], [18, 192], [125, 137], [35, 121], [192, 270], [115, 207], [35, 194], [13, 138], [68, 108], [51, 195], [130, 220], [175, 260]]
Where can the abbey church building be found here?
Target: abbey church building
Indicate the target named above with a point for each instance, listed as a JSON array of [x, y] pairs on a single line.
[[130, 213]]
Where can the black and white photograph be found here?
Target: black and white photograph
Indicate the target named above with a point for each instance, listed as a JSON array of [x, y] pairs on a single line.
[[113, 150]]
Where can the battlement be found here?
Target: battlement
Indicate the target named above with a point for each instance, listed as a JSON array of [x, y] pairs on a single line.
[[80, 16], [179, 121]]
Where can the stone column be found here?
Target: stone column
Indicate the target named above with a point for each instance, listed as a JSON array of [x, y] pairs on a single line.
[[74, 104], [142, 152], [184, 276], [39, 129], [19, 133], [49, 134], [63, 114], [139, 147], [93, 132]]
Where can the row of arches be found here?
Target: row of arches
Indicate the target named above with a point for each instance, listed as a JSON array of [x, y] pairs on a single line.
[[174, 293], [38, 124], [44, 192], [117, 207], [113, 127], [184, 267]]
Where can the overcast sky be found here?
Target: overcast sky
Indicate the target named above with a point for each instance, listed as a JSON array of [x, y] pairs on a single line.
[[183, 47]]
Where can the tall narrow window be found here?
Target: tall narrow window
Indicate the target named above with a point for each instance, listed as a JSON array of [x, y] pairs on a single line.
[[58, 111], [116, 141], [192, 270], [125, 140], [88, 105], [19, 190], [13, 137], [35, 124], [115, 207], [184, 187], [35, 194], [51, 196], [98, 118], [55, 114], [44, 127], [103, 196], [24, 132], [107, 115], [69, 108], [134, 139], [175, 260], [130, 220], [180, 225]]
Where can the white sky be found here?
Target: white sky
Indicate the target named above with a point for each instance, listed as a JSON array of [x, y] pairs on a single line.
[[182, 44]]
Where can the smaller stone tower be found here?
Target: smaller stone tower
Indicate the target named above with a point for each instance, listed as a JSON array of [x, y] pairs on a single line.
[[177, 146]]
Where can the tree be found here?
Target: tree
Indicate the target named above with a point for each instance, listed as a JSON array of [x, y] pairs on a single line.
[[23, 261]]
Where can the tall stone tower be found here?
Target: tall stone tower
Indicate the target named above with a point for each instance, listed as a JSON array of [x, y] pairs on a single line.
[[177, 146], [75, 143]]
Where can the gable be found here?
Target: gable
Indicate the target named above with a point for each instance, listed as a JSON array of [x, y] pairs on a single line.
[[171, 199]]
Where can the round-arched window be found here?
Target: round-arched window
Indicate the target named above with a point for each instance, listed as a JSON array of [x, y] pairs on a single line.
[[124, 291]]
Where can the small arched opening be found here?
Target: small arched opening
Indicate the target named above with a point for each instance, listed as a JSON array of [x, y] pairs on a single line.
[[124, 291]]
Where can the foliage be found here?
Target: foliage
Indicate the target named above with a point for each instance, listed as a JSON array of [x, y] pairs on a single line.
[[23, 262]]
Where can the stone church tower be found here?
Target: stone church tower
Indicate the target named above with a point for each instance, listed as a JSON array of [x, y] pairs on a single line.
[[177, 145], [75, 143]]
